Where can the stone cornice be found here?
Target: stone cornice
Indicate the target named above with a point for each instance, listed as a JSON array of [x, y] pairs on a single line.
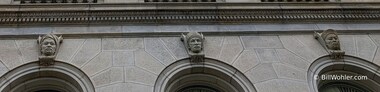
[[188, 13]]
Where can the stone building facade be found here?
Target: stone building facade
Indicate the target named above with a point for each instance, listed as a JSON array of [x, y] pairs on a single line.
[[189, 45]]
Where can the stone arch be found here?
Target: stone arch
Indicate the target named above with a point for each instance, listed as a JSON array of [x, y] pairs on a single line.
[[350, 65], [212, 73], [60, 77]]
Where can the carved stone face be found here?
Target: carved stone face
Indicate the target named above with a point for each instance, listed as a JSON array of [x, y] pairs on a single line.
[[48, 46], [195, 44], [332, 41]]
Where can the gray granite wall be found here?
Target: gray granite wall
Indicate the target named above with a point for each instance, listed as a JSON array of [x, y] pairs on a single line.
[[118, 63]]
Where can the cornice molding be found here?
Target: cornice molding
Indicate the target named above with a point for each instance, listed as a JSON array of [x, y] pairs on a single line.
[[188, 13]]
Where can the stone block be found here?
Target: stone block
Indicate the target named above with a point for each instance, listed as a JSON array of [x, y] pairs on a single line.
[[9, 31], [366, 48], [375, 38], [35, 30], [238, 27], [101, 62], [213, 46], [70, 30], [29, 49], [347, 44], [138, 75], [147, 62], [117, 87], [309, 41], [282, 85], [231, 49], [247, 60], [376, 59], [123, 58], [203, 28], [363, 26], [175, 46], [134, 87], [5, 1], [129, 44], [251, 42], [90, 48], [3, 69], [139, 29], [156, 48], [10, 54], [111, 75], [267, 55], [260, 73], [68, 49], [173, 28], [104, 29], [332, 26], [288, 72], [294, 45], [289, 58], [285, 27], [120, 1]]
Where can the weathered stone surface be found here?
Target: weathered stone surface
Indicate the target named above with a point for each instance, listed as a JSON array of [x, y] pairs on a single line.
[[28, 49], [105, 29], [70, 30], [120, 1], [117, 87], [260, 73], [267, 55], [111, 75], [9, 54], [134, 87], [175, 46], [5, 1], [213, 46], [123, 58], [68, 49], [282, 27], [139, 29], [238, 27], [90, 49], [35, 30], [347, 43], [156, 48], [147, 62], [295, 46], [376, 59], [3, 69], [102, 61], [8, 31], [310, 42], [251, 42], [281, 85], [366, 48], [129, 44], [332, 26], [231, 49], [138, 75], [289, 58], [173, 28], [363, 26], [247, 60], [202, 28], [288, 72]]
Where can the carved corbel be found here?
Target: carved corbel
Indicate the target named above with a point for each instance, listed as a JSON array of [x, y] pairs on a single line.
[[330, 41], [193, 42], [48, 48]]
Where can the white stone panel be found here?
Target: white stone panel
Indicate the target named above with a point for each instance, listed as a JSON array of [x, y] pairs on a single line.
[[68, 49], [101, 62], [294, 45], [89, 50], [289, 58], [251, 42], [231, 49], [213, 46], [281, 85], [9, 54], [267, 55], [29, 49], [123, 58], [347, 44], [246, 61], [157, 49], [134, 87], [366, 48], [138, 75], [175, 46], [146, 61], [111, 75], [260, 73], [129, 44], [288, 72]]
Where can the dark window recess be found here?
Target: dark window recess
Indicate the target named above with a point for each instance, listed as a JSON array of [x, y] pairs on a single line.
[[57, 1]]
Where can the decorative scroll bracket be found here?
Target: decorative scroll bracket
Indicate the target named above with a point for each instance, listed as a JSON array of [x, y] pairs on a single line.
[[330, 41], [48, 46], [193, 42]]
